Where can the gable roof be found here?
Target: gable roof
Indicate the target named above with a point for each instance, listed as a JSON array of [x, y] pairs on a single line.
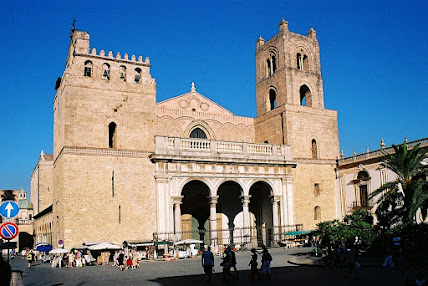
[[194, 101]]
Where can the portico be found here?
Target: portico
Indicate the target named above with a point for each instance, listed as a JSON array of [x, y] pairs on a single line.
[[227, 189]]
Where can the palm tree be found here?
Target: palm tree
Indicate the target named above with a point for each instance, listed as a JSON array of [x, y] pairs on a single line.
[[403, 197], [8, 195]]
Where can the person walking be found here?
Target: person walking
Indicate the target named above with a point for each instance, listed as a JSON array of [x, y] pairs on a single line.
[[70, 259], [120, 259], [226, 264], [266, 260], [233, 261], [30, 258], [208, 262], [253, 263]]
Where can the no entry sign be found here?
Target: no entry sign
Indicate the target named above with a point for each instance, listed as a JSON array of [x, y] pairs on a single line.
[[8, 230]]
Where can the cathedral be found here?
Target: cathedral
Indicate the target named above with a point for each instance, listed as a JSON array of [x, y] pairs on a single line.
[[128, 168]]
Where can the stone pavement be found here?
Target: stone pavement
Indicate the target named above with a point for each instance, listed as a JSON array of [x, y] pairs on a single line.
[[189, 272]]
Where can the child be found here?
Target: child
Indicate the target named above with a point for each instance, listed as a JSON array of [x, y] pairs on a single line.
[[253, 263]]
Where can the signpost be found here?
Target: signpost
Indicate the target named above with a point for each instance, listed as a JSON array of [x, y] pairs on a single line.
[[9, 209], [9, 230]]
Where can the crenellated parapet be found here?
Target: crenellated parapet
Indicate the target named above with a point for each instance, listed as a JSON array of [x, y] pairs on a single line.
[[125, 58], [89, 67]]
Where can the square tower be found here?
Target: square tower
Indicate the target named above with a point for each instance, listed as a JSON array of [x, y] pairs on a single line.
[[290, 110], [104, 115]]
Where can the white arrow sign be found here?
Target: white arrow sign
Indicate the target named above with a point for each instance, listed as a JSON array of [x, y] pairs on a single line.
[[9, 208]]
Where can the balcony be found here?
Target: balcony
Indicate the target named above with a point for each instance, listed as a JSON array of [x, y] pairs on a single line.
[[356, 205], [203, 149]]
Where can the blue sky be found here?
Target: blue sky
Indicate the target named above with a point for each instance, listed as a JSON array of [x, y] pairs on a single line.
[[373, 62]]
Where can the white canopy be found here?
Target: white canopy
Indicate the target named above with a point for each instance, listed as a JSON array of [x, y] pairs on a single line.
[[188, 241], [104, 245], [58, 250]]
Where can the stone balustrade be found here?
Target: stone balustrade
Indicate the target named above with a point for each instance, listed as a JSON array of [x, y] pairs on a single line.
[[380, 153], [221, 149]]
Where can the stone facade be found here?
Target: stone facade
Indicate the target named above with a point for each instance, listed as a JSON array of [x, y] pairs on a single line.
[[124, 167]]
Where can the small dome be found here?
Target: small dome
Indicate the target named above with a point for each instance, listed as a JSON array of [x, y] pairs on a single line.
[[25, 204]]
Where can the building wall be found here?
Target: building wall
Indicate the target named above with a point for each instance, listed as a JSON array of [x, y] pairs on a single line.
[[306, 175], [41, 184], [109, 203]]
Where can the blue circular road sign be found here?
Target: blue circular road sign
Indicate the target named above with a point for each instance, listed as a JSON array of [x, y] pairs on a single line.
[[9, 209]]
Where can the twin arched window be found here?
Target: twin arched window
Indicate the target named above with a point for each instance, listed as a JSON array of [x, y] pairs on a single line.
[[137, 75], [302, 61], [88, 69], [122, 72], [271, 64], [106, 71]]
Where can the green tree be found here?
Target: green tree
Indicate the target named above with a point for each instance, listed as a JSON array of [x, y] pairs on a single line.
[[8, 195], [356, 227], [400, 199]]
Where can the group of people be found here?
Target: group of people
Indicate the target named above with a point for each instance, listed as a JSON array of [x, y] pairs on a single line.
[[130, 261], [76, 258], [229, 262]]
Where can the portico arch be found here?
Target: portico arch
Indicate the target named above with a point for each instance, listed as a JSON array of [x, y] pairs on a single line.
[[195, 209], [261, 208], [229, 204]]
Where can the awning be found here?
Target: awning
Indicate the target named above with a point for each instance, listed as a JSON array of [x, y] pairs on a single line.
[[44, 247], [301, 232], [140, 243]]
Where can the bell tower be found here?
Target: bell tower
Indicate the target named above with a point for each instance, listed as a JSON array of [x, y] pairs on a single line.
[[290, 111], [289, 85]]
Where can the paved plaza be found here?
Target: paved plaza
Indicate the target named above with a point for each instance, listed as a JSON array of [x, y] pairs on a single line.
[[189, 272]]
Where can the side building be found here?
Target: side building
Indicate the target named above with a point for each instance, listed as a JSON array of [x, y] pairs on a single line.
[[361, 174]]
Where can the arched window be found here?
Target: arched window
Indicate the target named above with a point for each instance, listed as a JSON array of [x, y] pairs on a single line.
[[299, 61], [198, 133], [272, 99], [268, 68], [305, 63], [271, 64], [122, 72], [112, 135], [88, 69], [106, 71], [317, 213], [137, 75], [305, 96], [314, 149]]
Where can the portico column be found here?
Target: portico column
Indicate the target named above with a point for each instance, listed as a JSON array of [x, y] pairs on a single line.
[[275, 202], [213, 220], [246, 218], [177, 216]]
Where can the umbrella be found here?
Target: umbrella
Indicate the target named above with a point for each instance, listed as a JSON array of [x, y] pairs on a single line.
[[104, 246], [188, 241], [42, 247], [58, 250]]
